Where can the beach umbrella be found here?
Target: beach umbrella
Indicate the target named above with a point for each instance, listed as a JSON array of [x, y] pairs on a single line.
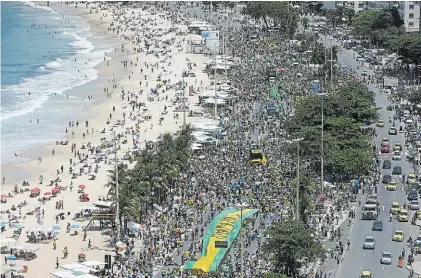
[[19, 227], [56, 227], [3, 196], [47, 193], [11, 258], [35, 190], [81, 186], [75, 226], [3, 223], [57, 188]]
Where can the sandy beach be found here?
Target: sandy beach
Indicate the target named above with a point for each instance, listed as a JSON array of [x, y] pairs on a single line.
[[127, 110]]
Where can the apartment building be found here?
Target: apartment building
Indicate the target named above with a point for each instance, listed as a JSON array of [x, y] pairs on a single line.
[[409, 11]]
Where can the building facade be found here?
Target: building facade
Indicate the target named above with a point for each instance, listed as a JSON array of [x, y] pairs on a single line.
[[409, 11]]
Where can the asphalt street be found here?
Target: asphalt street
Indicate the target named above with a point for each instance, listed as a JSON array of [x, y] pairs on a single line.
[[356, 259]]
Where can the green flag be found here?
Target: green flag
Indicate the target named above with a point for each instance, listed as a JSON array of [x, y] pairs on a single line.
[[274, 92]]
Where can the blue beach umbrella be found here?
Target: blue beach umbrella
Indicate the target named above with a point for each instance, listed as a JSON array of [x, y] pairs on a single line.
[[3, 223], [74, 226], [11, 258], [19, 227], [56, 227]]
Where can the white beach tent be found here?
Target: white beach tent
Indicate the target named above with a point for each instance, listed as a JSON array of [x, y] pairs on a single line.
[[133, 226], [202, 123], [93, 263], [212, 101], [78, 267], [83, 276], [196, 146], [62, 274], [7, 240]]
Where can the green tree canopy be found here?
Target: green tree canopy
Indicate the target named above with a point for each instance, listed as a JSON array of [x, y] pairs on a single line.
[[147, 183], [278, 12], [289, 244], [347, 147], [385, 28]]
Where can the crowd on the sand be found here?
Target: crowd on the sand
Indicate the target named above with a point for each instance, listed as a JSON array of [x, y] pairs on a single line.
[[208, 186]]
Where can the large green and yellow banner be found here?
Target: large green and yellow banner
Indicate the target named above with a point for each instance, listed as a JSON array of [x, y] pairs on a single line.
[[224, 227]]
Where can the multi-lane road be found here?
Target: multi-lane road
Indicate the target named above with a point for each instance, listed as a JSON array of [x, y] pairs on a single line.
[[356, 259]]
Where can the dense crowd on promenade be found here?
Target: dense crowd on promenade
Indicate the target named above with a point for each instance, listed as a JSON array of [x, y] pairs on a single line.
[[207, 187]]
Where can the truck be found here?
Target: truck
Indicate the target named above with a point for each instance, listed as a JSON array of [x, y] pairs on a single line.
[[369, 211], [390, 82]]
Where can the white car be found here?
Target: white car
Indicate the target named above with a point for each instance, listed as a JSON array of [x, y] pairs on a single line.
[[369, 243], [415, 205], [386, 258], [397, 155]]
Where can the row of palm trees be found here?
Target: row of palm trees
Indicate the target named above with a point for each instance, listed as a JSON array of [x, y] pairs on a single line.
[[148, 182]]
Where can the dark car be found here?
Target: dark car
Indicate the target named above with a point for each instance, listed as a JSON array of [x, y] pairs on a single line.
[[387, 164], [386, 179], [397, 170], [413, 195], [377, 226]]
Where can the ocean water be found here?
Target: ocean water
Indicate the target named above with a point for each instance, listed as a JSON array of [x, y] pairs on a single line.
[[43, 56]]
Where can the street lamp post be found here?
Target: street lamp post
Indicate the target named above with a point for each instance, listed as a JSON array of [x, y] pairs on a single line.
[[322, 146]]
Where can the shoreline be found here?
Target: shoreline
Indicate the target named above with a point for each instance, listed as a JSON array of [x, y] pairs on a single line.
[[129, 110], [32, 153]]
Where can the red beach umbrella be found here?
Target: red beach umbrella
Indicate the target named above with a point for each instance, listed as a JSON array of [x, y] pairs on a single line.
[[3, 196], [55, 190], [35, 190], [81, 186], [58, 188], [47, 193]]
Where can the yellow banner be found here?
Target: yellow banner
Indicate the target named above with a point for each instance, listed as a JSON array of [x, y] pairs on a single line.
[[222, 232]]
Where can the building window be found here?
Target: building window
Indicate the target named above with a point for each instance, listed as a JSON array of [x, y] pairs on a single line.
[[411, 6], [411, 24], [360, 5], [411, 15]]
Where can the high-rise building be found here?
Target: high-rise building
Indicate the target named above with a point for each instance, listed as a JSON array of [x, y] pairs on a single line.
[[409, 12]]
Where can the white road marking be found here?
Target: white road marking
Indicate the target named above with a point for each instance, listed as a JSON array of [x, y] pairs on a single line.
[[388, 243], [383, 208], [361, 266], [369, 232], [383, 267], [364, 255]]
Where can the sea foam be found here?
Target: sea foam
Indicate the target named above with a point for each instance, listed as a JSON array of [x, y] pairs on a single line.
[[64, 77]]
